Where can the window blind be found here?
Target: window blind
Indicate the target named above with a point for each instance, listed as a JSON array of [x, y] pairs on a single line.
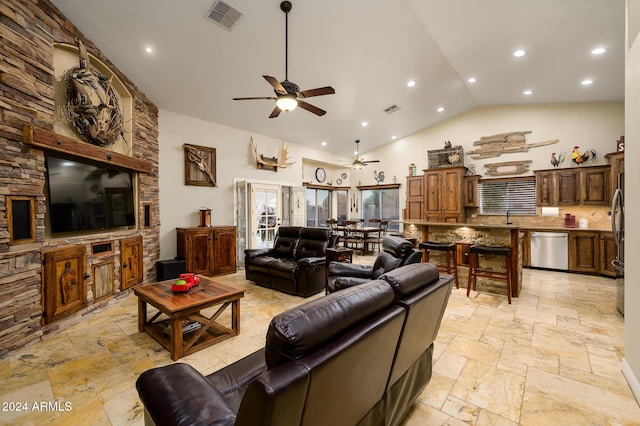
[[518, 196]]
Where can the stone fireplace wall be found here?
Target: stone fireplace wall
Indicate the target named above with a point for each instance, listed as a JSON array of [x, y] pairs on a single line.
[[28, 32]]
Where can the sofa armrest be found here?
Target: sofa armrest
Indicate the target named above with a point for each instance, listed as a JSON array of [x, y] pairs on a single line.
[[341, 269], [346, 282], [177, 394], [311, 261], [232, 380], [251, 253]]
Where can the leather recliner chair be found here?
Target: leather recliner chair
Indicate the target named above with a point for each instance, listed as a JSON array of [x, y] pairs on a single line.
[[396, 252]]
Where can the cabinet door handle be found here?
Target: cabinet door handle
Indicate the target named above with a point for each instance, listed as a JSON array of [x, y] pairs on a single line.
[[124, 265]]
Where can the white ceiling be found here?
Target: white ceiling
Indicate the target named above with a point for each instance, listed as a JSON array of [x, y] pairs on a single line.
[[367, 50]]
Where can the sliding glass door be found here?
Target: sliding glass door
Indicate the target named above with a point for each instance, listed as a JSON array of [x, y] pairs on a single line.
[[383, 204], [318, 207]]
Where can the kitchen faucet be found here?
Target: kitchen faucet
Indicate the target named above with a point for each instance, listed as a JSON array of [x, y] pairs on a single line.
[[508, 221]]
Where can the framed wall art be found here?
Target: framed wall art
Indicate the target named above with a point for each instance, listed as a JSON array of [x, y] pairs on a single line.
[[199, 165]]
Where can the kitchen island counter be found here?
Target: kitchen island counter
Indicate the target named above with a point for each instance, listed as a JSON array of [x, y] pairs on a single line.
[[467, 234]]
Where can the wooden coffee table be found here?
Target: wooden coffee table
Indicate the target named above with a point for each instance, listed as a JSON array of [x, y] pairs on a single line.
[[186, 330]]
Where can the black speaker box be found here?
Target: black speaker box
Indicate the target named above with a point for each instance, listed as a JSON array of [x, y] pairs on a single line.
[[170, 269]]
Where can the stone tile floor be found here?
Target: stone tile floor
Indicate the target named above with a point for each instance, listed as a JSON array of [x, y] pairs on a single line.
[[552, 357]]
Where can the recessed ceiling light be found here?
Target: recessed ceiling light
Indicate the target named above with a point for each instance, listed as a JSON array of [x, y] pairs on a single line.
[[528, 92], [519, 53], [440, 109], [323, 143], [148, 49], [587, 82], [472, 80], [393, 137], [364, 124], [598, 51], [411, 83]]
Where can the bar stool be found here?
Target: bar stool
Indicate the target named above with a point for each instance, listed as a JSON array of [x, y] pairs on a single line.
[[475, 271], [450, 252]]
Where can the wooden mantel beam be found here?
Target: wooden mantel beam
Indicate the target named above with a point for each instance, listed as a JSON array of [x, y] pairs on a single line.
[[49, 140]]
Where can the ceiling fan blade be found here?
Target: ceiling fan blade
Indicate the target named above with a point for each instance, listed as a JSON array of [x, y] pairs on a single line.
[[311, 108], [328, 90], [259, 97], [275, 84], [276, 112], [371, 161]]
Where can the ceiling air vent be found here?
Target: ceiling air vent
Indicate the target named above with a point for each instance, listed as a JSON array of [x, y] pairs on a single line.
[[224, 14], [392, 108]]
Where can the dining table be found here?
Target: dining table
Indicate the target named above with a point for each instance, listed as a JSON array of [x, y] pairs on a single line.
[[363, 232]]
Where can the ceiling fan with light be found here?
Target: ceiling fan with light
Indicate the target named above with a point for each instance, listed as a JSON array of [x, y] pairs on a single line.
[[359, 162], [288, 94]]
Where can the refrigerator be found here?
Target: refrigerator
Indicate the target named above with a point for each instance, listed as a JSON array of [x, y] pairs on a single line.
[[617, 226]]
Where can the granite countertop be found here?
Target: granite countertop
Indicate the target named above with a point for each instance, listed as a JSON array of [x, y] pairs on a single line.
[[460, 224], [561, 229], [501, 226]]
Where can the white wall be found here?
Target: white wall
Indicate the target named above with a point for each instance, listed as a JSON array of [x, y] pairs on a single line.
[[631, 363], [587, 125], [180, 204]]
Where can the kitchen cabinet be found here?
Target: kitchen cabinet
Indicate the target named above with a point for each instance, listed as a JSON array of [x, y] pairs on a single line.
[[596, 182], [608, 252], [545, 188], [208, 250], [584, 251], [471, 191], [415, 197], [443, 195], [616, 161], [525, 238], [568, 187], [575, 186]]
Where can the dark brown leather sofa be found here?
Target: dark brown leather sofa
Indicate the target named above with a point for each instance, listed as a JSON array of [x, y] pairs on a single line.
[[296, 264], [396, 252], [360, 356]]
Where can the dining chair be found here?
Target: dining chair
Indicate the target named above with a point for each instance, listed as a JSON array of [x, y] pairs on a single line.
[[375, 239], [351, 235]]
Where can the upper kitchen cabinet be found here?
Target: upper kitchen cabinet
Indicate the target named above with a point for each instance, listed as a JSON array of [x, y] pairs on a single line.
[[616, 161], [443, 195], [471, 191], [415, 197], [545, 188], [575, 186]]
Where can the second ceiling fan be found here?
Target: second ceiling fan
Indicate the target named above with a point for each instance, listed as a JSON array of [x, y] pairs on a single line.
[[288, 94], [359, 162]]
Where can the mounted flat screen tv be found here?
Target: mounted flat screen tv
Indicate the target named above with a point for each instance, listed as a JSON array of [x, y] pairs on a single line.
[[84, 197]]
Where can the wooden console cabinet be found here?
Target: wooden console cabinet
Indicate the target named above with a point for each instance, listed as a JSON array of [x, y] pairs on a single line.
[[208, 250]]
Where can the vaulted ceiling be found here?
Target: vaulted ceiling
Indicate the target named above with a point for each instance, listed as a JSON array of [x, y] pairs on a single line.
[[367, 50]]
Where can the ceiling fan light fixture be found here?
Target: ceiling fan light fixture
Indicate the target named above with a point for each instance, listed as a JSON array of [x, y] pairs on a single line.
[[287, 102]]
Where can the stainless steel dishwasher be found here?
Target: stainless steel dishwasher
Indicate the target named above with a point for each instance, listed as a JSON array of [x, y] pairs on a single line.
[[550, 250]]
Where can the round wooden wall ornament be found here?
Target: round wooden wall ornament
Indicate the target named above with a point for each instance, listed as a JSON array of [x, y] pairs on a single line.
[[92, 105]]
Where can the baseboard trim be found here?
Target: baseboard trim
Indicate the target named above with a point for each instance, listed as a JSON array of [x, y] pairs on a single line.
[[633, 381]]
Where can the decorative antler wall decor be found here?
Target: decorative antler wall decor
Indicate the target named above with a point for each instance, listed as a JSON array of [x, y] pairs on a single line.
[[504, 143], [199, 165], [272, 163]]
